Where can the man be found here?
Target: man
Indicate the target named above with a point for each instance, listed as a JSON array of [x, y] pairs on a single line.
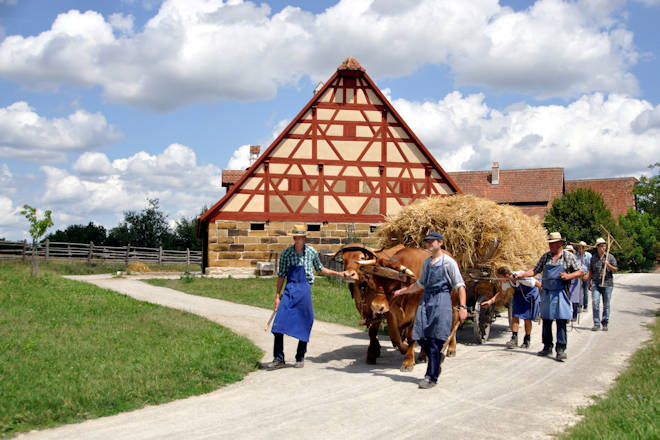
[[584, 258], [432, 326], [558, 267], [599, 264], [295, 314], [575, 288], [525, 303]]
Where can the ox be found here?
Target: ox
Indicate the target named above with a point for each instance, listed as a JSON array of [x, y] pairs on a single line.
[[374, 300]]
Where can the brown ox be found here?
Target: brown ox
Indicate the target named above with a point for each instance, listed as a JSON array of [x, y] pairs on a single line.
[[374, 300]]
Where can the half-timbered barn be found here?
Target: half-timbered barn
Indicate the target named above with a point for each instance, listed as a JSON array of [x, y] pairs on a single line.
[[343, 164]]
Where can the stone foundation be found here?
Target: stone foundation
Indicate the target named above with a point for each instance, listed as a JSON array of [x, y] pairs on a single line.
[[235, 244]]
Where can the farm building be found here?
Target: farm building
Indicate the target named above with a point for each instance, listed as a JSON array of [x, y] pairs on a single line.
[[534, 189], [343, 164]]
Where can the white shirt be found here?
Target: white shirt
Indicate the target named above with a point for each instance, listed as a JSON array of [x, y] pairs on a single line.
[[451, 270], [529, 282]]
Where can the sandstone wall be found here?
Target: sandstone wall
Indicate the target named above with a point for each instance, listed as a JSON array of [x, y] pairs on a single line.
[[234, 244]]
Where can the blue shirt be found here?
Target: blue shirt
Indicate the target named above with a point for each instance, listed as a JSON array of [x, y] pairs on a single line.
[[309, 258], [585, 260]]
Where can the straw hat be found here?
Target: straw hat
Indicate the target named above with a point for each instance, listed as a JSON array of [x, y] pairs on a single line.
[[600, 240], [570, 248], [298, 231], [582, 243], [554, 236]]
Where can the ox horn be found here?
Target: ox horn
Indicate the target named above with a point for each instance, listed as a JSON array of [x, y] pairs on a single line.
[[407, 271], [366, 262]]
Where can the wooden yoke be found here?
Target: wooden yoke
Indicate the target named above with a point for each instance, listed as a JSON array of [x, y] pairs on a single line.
[[387, 272]]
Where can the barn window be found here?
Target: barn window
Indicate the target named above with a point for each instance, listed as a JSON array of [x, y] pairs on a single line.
[[372, 228], [295, 184], [312, 227], [257, 226]]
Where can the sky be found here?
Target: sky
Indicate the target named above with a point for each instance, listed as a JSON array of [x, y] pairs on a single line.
[[104, 105]]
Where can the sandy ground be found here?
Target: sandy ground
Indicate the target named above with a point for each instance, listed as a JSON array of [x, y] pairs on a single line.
[[486, 392]]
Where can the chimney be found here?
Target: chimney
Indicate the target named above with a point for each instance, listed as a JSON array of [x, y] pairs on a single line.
[[495, 176], [254, 153]]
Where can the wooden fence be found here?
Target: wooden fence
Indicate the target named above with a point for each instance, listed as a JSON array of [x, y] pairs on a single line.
[[89, 251]]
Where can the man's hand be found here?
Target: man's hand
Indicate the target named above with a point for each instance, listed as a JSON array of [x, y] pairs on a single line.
[[486, 304], [565, 276], [276, 303], [397, 292], [462, 315]]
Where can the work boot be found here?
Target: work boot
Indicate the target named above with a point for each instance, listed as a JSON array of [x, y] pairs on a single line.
[[513, 343], [545, 352], [561, 355], [595, 328], [299, 364], [425, 384], [605, 326], [275, 365], [525, 344]]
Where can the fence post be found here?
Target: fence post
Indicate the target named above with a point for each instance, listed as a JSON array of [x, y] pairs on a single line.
[[47, 249], [91, 251], [160, 255], [187, 256], [128, 250], [24, 249], [68, 250]]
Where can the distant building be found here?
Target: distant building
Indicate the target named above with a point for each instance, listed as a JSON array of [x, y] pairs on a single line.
[[533, 190]]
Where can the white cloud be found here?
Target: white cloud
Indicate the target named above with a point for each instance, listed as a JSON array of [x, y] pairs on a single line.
[[26, 135], [240, 158], [98, 187], [123, 23], [196, 50], [594, 136], [7, 185], [12, 224]]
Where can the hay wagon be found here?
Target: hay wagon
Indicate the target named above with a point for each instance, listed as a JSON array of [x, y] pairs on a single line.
[[479, 287]]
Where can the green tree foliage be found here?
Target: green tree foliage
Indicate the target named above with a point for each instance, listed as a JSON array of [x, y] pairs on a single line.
[[80, 234], [185, 234], [38, 228], [647, 192], [643, 232], [146, 228], [578, 215]]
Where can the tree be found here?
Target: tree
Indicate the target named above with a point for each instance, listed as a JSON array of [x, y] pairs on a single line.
[[578, 215], [146, 228], [80, 234], [647, 192], [185, 234], [37, 229], [644, 235]]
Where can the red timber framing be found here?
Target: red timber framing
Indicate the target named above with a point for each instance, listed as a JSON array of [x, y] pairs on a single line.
[[348, 156]]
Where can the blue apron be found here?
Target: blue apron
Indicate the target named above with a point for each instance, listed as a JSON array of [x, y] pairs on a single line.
[[554, 301], [576, 290], [434, 313], [295, 314], [525, 302]]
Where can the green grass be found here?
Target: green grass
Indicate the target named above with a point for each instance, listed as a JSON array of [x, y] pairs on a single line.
[[332, 300], [80, 267], [71, 351], [630, 409]]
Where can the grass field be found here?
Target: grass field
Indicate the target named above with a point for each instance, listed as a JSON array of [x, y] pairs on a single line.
[[332, 300], [631, 409], [79, 267], [71, 351]]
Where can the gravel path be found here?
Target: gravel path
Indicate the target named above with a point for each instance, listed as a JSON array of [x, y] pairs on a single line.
[[484, 392]]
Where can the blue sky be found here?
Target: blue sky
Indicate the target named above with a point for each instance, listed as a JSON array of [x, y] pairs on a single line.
[[106, 104]]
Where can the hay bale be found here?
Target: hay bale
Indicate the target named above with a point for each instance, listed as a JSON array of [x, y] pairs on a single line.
[[471, 226], [138, 267]]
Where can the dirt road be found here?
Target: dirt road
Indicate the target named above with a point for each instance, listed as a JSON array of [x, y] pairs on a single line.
[[486, 392]]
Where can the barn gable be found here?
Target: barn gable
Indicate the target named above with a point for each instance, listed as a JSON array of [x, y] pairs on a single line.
[[347, 156]]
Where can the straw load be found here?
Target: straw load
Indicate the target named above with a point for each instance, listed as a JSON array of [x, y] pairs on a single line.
[[479, 233]]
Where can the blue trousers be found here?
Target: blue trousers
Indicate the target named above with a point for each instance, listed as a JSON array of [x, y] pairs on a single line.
[[561, 334], [432, 347], [585, 294], [606, 293], [278, 348]]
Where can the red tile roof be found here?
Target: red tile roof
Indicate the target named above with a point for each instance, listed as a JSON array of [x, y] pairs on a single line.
[[617, 192], [229, 177], [351, 63]]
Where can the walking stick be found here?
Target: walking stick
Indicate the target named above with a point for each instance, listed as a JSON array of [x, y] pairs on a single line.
[[272, 316]]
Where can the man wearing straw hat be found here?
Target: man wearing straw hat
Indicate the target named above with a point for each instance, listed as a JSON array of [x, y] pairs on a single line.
[[295, 314], [584, 258], [575, 288], [601, 261], [432, 327], [558, 267]]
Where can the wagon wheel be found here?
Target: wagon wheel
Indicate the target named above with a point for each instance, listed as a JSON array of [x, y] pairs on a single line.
[[481, 320]]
